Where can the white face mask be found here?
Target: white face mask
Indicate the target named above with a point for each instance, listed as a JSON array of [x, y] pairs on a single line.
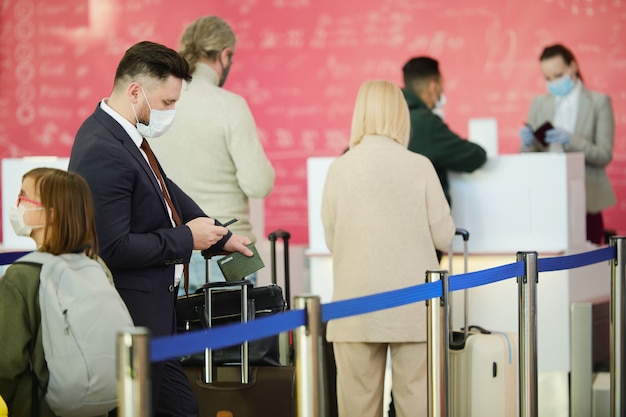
[[441, 102], [160, 121], [16, 217], [438, 109]]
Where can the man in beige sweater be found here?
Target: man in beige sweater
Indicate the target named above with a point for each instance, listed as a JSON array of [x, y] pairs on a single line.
[[213, 150]]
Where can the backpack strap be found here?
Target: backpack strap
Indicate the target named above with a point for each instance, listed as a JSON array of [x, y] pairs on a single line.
[[35, 257]]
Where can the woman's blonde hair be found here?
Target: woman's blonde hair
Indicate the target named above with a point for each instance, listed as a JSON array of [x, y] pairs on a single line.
[[206, 36], [380, 109], [68, 207]]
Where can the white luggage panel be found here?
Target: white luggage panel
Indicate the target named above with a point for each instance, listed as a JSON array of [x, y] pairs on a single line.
[[483, 377]]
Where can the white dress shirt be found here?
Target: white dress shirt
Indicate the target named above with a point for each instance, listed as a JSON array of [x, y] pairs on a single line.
[[567, 109]]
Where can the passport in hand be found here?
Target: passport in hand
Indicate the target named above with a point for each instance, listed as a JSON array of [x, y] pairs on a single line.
[[236, 266]]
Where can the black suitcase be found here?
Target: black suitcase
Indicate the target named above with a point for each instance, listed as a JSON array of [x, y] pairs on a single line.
[[242, 390], [270, 392]]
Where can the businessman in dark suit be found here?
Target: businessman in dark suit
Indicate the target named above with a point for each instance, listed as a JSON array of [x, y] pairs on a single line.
[[147, 226]]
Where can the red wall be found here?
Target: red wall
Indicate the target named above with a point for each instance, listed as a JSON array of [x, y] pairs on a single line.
[[299, 63]]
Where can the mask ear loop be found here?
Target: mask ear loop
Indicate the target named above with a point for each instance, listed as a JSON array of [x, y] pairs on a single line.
[[132, 105], [146, 97]]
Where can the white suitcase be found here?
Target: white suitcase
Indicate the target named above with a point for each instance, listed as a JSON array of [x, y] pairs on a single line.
[[483, 368], [484, 375]]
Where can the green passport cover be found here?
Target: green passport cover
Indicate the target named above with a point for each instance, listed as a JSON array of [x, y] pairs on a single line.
[[236, 266]]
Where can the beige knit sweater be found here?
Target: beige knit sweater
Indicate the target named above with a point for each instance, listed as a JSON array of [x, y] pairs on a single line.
[[384, 213], [213, 151]]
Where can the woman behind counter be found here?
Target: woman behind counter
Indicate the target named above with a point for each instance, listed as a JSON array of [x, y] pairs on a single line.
[[582, 121]]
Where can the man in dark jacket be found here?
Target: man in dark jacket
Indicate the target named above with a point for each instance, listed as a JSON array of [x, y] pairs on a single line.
[[430, 136]]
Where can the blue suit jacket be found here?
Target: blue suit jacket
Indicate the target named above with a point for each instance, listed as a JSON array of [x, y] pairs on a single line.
[[135, 234]]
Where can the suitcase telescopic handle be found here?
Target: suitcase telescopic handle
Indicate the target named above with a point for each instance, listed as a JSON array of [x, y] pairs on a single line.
[[279, 234], [285, 236], [465, 235], [462, 232]]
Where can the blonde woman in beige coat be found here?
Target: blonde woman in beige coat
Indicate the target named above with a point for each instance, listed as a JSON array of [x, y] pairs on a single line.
[[384, 213]]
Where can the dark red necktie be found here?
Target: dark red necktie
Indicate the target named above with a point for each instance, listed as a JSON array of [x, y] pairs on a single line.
[[155, 167]]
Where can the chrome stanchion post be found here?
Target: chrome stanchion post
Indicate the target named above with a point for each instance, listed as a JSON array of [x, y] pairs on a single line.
[[438, 348], [307, 348], [207, 370], [133, 373], [527, 292], [617, 322]]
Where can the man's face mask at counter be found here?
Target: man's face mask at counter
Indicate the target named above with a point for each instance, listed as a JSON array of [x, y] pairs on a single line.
[[441, 102], [438, 97]]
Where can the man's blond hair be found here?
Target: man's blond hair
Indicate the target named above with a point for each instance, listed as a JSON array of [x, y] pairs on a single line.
[[207, 36]]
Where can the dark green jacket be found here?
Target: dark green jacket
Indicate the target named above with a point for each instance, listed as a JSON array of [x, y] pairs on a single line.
[[431, 137], [20, 332]]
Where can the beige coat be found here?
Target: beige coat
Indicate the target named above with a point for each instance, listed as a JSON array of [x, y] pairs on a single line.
[[213, 151], [593, 135], [384, 213]]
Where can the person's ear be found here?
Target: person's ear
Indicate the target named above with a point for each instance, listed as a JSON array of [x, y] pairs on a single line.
[[133, 91], [225, 56], [433, 86]]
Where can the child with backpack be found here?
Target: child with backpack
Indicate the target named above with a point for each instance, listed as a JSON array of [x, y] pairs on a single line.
[[55, 209]]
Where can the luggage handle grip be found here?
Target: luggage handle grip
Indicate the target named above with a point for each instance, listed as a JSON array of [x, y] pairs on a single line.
[[482, 330], [462, 232], [279, 233]]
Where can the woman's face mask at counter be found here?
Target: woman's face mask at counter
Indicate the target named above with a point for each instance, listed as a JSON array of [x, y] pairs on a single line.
[[560, 77]]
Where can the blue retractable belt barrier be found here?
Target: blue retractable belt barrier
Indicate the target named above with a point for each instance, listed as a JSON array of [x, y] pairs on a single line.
[[218, 337]]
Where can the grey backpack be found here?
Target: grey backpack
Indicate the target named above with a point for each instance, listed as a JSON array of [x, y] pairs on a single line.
[[81, 314]]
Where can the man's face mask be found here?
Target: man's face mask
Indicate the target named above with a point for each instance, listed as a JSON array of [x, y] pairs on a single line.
[[160, 121]]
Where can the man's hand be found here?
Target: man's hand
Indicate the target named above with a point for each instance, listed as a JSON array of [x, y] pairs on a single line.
[[205, 233], [237, 243]]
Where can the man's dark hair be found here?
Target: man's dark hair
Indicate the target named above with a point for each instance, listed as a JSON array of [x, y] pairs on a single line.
[[420, 69], [559, 50], [153, 60]]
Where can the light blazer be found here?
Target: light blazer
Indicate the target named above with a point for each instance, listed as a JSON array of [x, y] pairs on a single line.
[[593, 135], [135, 234]]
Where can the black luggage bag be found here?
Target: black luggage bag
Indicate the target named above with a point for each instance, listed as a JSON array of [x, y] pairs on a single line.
[[268, 390], [191, 315]]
